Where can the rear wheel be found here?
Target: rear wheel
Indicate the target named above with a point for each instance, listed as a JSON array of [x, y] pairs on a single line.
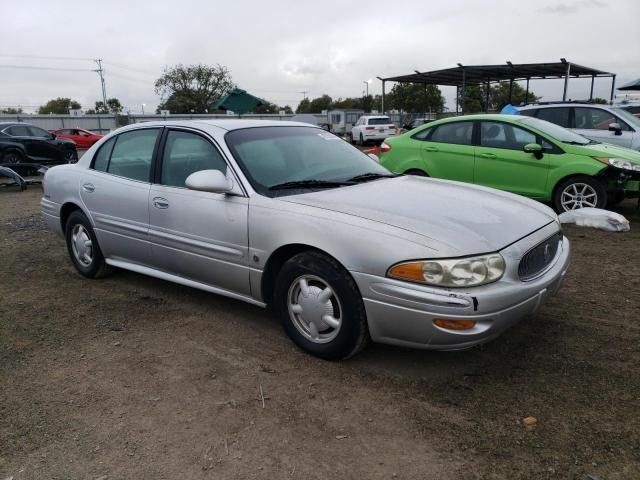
[[579, 192], [71, 156], [416, 172], [320, 307], [83, 247], [361, 140], [12, 157]]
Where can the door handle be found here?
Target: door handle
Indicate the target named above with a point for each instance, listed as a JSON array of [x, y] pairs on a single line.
[[487, 155], [88, 187], [431, 149], [160, 202]]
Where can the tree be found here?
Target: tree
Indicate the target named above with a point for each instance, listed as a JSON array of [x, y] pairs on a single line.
[[304, 106], [192, 88], [475, 97], [113, 106], [11, 111], [415, 98], [59, 106], [272, 108], [321, 103], [601, 101]]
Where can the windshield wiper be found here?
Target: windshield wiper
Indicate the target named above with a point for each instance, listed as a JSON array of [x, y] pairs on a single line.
[[365, 177], [308, 184]]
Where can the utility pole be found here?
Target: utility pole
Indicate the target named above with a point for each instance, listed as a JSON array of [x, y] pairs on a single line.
[[101, 75], [304, 94]]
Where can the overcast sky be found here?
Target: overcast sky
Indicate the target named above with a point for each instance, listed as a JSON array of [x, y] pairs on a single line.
[[276, 49]]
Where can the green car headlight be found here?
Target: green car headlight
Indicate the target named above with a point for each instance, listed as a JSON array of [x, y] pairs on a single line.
[[620, 163], [456, 272]]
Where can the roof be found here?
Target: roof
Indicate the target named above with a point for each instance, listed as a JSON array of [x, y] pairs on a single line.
[[238, 101], [635, 85], [470, 74], [224, 124]]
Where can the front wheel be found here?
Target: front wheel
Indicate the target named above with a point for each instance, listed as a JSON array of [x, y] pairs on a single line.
[[12, 157], [83, 247], [320, 307], [579, 192]]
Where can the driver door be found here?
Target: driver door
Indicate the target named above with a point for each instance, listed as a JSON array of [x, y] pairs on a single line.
[[594, 123], [202, 236]]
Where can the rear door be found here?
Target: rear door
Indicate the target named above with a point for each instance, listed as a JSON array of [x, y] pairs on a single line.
[[502, 163], [198, 235], [44, 146], [21, 134], [594, 123], [116, 191], [448, 151]]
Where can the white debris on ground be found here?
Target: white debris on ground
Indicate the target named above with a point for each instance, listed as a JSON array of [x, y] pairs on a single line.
[[596, 218]]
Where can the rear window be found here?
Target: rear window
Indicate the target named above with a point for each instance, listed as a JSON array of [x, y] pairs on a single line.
[[380, 121], [459, 133], [559, 116]]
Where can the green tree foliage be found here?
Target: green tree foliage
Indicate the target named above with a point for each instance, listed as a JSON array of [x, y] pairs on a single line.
[[11, 111], [303, 106], [272, 108], [192, 88], [325, 102], [59, 106], [475, 97], [415, 98], [601, 101], [113, 106]]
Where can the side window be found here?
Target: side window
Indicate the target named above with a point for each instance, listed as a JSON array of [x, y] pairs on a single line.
[[458, 132], [39, 132], [186, 153], [596, 119], [132, 154], [19, 131], [504, 135], [529, 112], [101, 160], [422, 134], [559, 116]]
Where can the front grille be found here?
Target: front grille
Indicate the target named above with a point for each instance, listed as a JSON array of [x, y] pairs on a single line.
[[539, 257]]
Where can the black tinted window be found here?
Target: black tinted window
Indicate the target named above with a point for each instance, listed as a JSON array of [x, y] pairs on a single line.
[[101, 160], [459, 133], [529, 113], [380, 121], [422, 134], [559, 116], [186, 153], [39, 132], [132, 154], [19, 131], [504, 135]]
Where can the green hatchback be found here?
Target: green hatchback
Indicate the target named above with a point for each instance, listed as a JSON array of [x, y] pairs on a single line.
[[519, 154]]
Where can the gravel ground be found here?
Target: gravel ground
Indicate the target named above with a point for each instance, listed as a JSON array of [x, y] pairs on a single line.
[[132, 377]]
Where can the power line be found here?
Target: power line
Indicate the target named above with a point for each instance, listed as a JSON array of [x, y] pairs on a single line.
[[34, 67], [44, 57]]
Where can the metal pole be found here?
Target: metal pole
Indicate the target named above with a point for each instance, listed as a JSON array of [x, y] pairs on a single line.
[[382, 97], [101, 74], [457, 97], [425, 101], [613, 87], [486, 100], [463, 85], [593, 79], [526, 94], [510, 90], [566, 82]]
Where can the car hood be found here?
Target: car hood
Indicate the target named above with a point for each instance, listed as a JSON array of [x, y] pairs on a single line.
[[467, 218], [607, 150]]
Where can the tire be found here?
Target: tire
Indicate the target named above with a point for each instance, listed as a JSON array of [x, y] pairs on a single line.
[[12, 156], [315, 272], [416, 172], [351, 139], [71, 156], [578, 192], [361, 140], [88, 261]]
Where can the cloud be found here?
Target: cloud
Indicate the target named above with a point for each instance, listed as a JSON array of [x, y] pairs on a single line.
[[566, 8]]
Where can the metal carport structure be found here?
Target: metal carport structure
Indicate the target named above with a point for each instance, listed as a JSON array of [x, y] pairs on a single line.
[[463, 75]]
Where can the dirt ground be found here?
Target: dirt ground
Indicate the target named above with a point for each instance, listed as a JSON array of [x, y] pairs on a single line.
[[135, 378]]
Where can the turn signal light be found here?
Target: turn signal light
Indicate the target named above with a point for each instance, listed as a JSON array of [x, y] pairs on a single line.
[[408, 271], [454, 324]]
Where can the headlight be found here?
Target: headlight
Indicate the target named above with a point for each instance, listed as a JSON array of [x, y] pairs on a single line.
[[456, 272], [620, 163]]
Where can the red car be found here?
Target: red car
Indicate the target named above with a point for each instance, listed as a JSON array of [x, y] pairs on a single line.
[[83, 138]]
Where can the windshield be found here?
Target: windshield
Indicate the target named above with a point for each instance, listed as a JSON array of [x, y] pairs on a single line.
[[556, 132], [627, 116], [380, 121], [271, 156]]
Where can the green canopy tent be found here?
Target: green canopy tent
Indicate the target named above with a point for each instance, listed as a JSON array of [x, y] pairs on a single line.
[[631, 86], [238, 101]]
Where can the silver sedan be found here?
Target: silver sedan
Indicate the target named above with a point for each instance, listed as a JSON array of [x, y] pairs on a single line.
[[288, 215]]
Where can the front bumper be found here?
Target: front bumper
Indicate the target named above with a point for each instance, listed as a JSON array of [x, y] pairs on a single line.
[[401, 313]]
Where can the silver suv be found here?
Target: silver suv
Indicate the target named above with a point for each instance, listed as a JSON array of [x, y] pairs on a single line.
[[597, 122]]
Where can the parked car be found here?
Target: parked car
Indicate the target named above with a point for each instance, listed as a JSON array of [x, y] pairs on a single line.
[[288, 215], [21, 142], [597, 122], [82, 138], [632, 109], [372, 128], [519, 154], [416, 122]]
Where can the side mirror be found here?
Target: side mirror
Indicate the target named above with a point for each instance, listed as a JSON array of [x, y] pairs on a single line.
[[209, 181], [533, 148], [615, 127]]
